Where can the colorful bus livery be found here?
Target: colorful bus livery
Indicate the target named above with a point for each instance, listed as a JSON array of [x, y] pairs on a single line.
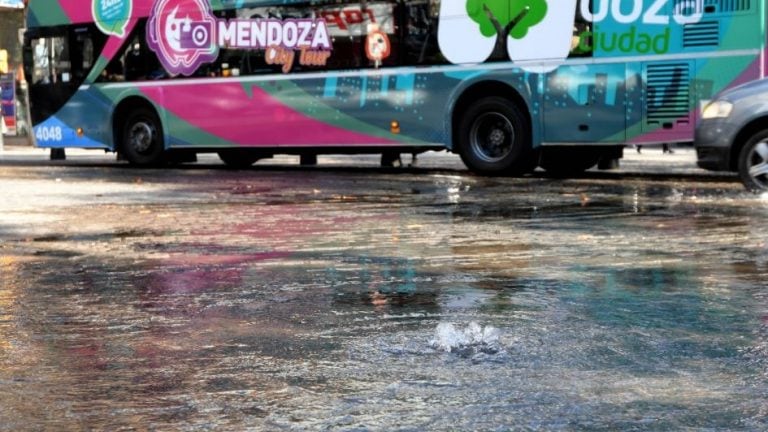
[[509, 85]]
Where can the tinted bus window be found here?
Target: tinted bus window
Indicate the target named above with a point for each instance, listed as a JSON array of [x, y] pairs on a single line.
[[58, 60], [419, 35]]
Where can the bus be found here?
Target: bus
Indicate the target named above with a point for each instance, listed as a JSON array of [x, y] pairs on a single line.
[[508, 85]]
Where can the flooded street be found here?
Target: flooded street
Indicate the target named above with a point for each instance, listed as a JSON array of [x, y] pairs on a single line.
[[281, 298]]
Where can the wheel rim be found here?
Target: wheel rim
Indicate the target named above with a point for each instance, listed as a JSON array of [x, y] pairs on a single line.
[[758, 164], [492, 137], [141, 136]]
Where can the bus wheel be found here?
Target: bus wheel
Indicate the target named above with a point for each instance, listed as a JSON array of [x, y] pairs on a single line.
[[753, 162], [494, 138], [239, 158], [560, 161], [142, 138]]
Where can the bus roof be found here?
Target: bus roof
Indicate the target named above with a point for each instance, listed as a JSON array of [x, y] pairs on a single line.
[[50, 13]]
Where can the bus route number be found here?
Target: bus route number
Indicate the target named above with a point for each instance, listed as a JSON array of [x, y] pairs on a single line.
[[49, 133]]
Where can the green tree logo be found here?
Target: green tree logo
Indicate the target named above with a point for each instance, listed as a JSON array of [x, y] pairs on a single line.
[[503, 18]]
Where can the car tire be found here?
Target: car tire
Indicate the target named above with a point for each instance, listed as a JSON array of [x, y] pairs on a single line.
[[142, 140], [494, 138], [239, 158], [753, 162], [566, 162]]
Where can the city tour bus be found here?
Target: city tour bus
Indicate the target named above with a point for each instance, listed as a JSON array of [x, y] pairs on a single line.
[[509, 85]]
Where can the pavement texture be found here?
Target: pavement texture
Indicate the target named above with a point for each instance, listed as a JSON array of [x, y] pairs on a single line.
[[284, 298]]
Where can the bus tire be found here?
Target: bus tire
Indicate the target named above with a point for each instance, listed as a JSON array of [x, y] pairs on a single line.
[[566, 162], [239, 158], [494, 138], [753, 162], [142, 140]]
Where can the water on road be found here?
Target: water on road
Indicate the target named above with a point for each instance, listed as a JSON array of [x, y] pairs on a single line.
[[287, 299]]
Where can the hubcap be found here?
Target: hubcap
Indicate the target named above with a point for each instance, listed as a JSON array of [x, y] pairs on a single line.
[[492, 137], [140, 137], [758, 164]]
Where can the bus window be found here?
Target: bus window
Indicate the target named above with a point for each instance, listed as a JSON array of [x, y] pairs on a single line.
[[140, 64], [235, 62], [51, 60], [581, 42], [58, 62], [61, 59], [420, 45], [82, 56], [348, 26], [135, 61]]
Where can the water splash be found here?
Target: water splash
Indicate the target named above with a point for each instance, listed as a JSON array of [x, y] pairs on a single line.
[[474, 339]]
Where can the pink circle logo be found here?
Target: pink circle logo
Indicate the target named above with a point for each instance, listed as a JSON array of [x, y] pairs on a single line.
[[183, 35]]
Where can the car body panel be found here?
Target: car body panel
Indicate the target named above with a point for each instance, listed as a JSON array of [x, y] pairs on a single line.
[[717, 140]]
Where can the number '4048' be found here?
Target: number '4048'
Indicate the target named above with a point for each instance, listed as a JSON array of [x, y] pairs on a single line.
[[52, 133]]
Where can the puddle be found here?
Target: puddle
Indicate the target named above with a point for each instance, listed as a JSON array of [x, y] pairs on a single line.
[[364, 301]]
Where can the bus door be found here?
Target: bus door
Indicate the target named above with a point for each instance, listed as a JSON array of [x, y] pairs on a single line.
[[57, 61]]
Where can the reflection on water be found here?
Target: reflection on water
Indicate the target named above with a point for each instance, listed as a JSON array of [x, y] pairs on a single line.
[[461, 307]]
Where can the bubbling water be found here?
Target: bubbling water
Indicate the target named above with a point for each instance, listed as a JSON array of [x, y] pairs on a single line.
[[467, 341]]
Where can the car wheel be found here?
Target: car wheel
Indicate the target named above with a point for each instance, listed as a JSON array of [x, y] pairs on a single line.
[[494, 138], [142, 138], [753, 162]]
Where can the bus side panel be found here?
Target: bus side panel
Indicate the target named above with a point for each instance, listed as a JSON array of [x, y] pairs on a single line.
[[331, 111], [684, 53], [370, 102], [177, 131], [87, 111], [586, 103], [216, 114]]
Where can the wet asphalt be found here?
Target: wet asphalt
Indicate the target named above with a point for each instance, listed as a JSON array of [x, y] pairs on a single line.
[[350, 297]]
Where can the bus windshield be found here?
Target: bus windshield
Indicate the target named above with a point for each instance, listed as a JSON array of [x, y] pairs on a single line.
[[58, 60]]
